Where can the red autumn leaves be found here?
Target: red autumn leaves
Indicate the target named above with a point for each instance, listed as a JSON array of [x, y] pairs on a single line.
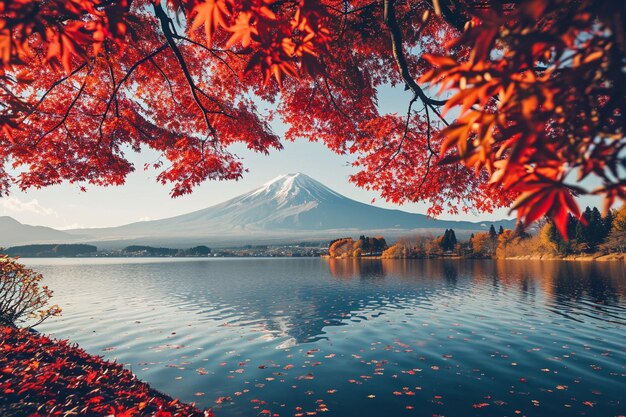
[[43, 377], [535, 88], [536, 104]]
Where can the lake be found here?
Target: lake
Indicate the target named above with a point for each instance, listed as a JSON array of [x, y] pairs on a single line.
[[361, 338]]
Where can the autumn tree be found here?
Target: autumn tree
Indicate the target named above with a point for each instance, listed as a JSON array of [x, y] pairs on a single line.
[[433, 247], [483, 245], [530, 92], [341, 247], [506, 239], [22, 297], [399, 250], [616, 239], [619, 219], [547, 238]]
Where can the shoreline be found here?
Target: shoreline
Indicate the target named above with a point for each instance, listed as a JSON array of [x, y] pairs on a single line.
[[40, 375], [612, 257]]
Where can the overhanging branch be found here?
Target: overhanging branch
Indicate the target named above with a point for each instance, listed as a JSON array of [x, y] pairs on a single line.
[[166, 26], [398, 54]]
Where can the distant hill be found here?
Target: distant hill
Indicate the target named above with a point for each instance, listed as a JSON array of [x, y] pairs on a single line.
[[290, 208], [14, 233], [50, 250]]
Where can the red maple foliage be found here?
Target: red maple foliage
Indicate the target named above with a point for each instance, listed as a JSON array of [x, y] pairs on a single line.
[[40, 376], [536, 89]]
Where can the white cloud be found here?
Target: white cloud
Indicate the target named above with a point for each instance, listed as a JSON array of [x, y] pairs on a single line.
[[14, 204]]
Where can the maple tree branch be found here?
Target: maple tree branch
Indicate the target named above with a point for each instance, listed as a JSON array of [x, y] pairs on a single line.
[[438, 113], [210, 50], [167, 80], [67, 112], [166, 26], [332, 99], [138, 128], [456, 20], [398, 54], [308, 105], [113, 84], [429, 134], [223, 111], [54, 85], [404, 136], [123, 80], [430, 155]]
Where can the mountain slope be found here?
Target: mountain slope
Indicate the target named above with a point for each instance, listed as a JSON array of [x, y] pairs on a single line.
[[290, 206], [14, 233]]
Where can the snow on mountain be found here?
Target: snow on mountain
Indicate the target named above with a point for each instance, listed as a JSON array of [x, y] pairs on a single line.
[[293, 206]]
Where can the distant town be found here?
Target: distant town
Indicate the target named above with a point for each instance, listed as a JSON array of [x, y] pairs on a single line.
[[303, 249]]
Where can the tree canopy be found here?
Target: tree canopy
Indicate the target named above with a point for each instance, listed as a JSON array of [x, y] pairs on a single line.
[[511, 101]]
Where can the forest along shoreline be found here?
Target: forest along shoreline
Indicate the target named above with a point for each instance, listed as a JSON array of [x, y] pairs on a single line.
[[592, 237]]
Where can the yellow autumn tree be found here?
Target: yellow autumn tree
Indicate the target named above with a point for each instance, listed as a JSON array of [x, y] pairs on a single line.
[[22, 297], [397, 251], [341, 248], [484, 245], [616, 240]]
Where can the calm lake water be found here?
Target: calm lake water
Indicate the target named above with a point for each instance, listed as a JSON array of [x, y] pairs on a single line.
[[356, 338]]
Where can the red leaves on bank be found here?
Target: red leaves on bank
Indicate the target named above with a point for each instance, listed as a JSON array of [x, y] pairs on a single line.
[[44, 377]]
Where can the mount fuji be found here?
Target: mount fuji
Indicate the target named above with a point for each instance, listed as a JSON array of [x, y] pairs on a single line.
[[289, 208]]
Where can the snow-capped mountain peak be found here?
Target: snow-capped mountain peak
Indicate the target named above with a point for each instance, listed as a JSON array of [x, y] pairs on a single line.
[[294, 189], [291, 206]]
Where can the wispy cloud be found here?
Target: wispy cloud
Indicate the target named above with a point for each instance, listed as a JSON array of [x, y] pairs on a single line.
[[15, 205]]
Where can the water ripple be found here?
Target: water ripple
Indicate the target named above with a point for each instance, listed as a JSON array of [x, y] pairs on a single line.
[[366, 338]]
